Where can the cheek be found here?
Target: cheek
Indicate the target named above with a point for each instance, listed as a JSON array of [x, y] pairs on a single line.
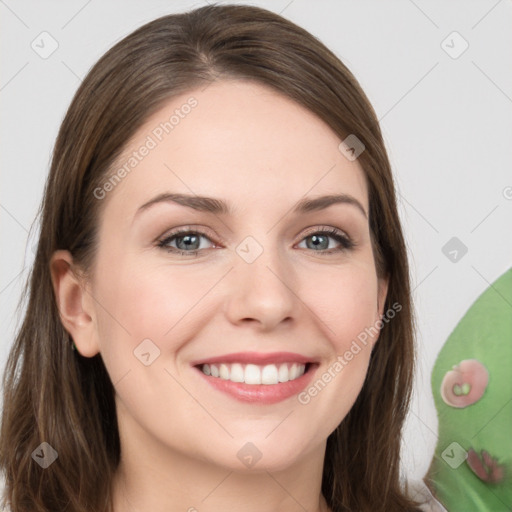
[[346, 303], [147, 302], [139, 308]]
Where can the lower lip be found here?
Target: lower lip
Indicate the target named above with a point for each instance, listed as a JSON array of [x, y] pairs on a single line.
[[261, 393]]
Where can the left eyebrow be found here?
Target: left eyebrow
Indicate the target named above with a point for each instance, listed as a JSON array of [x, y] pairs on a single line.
[[219, 207], [322, 202]]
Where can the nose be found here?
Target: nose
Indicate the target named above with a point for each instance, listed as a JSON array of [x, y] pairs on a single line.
[[262, 291]]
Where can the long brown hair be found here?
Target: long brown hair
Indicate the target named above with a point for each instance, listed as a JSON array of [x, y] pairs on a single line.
[[54, 395]]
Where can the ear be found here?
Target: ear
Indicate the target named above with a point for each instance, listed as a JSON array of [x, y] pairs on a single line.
[[76, 308]]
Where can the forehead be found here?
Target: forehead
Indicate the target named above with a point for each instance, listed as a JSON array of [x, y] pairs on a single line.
[[239, 140]]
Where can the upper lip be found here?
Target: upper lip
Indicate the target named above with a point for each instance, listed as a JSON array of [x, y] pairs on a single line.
[[255, 358]]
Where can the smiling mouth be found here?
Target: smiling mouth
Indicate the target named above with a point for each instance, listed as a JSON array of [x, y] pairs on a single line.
[[269, 374]]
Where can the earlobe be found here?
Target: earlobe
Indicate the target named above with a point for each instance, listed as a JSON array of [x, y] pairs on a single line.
[[75, 308]]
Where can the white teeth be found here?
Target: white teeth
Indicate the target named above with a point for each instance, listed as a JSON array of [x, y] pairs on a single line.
[[255, 374], [283, 373], [269, 374], [237, 373], [252, 374], [224, 372]]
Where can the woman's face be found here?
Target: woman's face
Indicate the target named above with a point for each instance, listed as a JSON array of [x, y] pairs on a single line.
[[259, 277]]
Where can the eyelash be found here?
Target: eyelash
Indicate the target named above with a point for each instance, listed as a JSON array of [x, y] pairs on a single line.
[[346, 242]]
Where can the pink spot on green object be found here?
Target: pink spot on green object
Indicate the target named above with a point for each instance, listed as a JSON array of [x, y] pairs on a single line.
[[485, 466], [465, 384]]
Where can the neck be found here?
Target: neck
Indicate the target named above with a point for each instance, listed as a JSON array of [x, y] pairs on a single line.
[[156, 478]]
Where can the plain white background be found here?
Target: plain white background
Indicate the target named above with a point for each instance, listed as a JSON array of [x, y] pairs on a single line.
[[445, 114]]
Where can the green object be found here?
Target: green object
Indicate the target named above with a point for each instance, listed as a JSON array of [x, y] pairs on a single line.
[[471, 470]]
